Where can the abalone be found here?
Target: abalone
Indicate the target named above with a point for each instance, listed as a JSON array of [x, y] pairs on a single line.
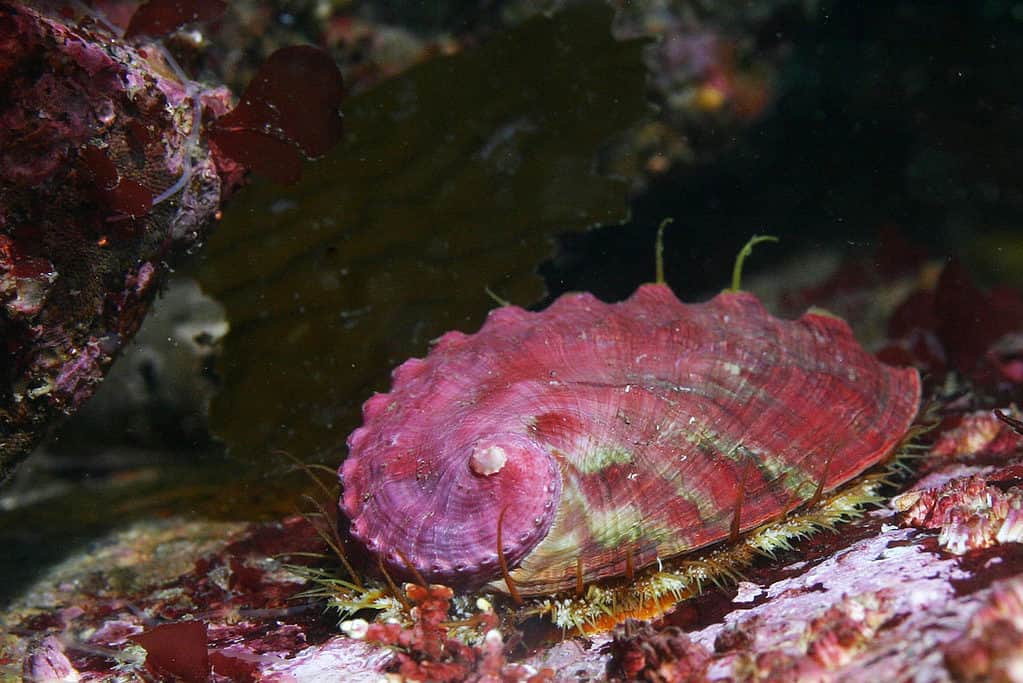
[[596, 439]]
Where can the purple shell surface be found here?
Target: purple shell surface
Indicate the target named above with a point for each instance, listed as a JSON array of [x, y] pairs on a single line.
[[612, 436]]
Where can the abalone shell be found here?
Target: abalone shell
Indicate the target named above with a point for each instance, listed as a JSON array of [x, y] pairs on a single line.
[[612, 436]]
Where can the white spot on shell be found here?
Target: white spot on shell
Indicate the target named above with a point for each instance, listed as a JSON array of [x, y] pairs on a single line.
[[488, 461]]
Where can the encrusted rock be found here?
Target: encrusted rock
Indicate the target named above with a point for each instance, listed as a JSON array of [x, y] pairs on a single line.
[[104, 178]]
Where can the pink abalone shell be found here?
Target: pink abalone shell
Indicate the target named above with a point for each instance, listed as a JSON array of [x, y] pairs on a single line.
[[613, 435]]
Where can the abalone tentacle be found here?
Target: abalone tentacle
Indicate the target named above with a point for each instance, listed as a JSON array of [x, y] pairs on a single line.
[[624, 432]]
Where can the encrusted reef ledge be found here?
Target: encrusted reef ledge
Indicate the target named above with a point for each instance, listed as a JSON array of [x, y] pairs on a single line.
[[930, 591]]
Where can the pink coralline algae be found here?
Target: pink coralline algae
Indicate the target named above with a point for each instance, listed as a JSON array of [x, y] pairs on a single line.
[[104, 178], [642, 653], [48, 662], [968, 512], [227, 617], [981, 509], [234, 615], [978, 433], [835, 637], [553, 450], [991, 648]]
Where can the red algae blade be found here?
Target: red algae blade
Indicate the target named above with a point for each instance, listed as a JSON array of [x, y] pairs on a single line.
[[177, 650]]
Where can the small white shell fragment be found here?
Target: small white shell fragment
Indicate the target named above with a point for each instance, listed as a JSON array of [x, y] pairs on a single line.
[[356, 628]]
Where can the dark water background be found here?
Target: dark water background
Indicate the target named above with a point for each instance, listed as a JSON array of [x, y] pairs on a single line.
[[903, 114]]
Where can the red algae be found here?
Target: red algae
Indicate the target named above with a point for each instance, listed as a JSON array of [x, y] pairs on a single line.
[[290, 111], [177, 650], [955, 325]]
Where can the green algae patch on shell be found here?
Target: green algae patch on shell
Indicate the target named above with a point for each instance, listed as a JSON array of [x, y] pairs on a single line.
[[609, 437]]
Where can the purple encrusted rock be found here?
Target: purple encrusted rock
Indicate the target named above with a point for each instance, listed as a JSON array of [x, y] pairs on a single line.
[[104, 178]]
